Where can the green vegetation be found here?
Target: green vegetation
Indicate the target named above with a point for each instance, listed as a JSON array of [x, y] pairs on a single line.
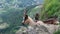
[[51, 8], [57, 32], [13, 17]]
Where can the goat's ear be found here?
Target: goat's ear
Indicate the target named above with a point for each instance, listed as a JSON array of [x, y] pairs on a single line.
[[26, 16]]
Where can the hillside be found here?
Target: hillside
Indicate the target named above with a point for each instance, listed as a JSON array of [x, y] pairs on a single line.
[[11, 12], [13, 17]]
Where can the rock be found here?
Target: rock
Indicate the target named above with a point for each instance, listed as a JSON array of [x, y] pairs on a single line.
[[4, 26], [22, 30], [41, 29]]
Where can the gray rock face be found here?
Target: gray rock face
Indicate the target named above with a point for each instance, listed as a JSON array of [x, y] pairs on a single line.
[[41, 29]]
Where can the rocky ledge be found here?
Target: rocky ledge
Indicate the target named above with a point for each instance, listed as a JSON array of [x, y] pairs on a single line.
[[40, 29]]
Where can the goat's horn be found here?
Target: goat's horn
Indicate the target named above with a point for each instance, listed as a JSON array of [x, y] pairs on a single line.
[[25, 12]]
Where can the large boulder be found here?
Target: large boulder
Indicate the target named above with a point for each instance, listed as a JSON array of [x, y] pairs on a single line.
[[41, 29]]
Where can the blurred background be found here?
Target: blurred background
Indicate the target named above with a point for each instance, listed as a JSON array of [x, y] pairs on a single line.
[[11, 12]]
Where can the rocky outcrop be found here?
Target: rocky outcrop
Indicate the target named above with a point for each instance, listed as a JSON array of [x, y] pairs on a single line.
[[40, 29]]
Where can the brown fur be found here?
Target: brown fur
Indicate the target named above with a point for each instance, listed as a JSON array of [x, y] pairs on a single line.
[[28, 20], [51, 21]]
